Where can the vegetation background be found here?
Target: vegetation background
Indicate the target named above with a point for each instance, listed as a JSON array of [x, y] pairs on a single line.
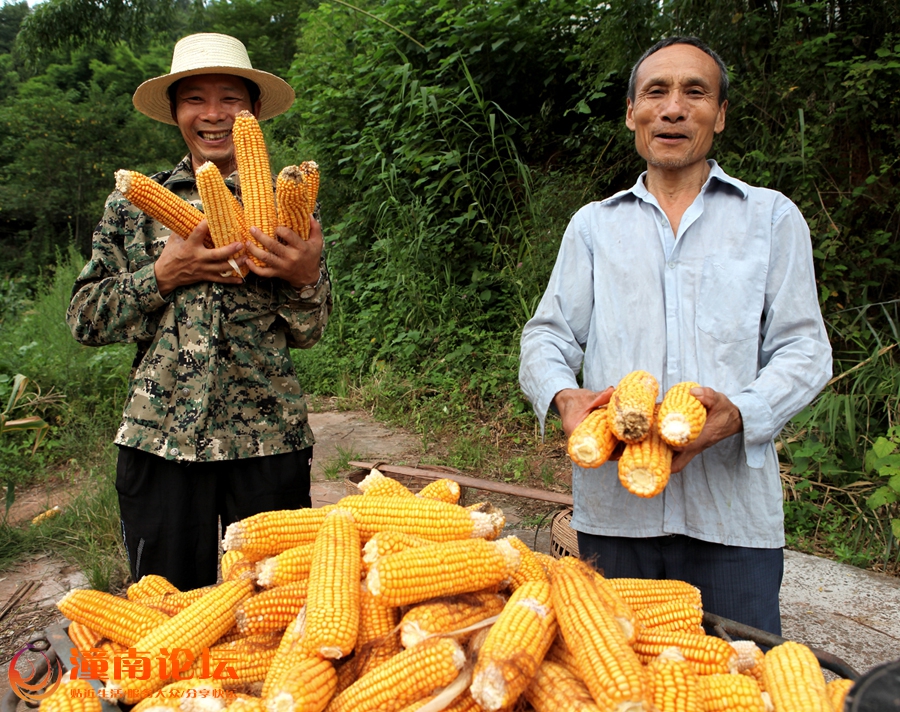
[[455, 141]]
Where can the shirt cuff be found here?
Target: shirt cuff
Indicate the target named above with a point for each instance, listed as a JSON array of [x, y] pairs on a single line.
[[147, 291], [757, 418], [545, 399]]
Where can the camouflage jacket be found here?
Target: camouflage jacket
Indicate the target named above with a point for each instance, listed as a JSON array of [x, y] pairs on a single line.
[[213, 377]]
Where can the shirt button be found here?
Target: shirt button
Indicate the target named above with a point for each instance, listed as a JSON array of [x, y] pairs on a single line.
[[189, 323], [185, 391], [173, 451], [671, 265]]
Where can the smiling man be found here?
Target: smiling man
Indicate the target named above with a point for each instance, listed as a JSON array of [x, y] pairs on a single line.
[[215, 423], [691, 275]]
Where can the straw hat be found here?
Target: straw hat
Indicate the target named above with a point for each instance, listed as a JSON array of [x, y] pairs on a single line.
[[211, 53]]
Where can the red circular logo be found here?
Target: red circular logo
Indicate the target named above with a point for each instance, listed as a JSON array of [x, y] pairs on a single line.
[[26, 687]]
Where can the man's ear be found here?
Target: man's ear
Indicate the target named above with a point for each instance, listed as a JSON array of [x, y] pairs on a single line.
[[720, 118], [629, 114], [257, 107]]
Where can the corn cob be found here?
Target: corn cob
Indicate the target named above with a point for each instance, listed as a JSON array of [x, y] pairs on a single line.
[[530, 569], [515, 647], [310, 171], [172, 695], [223, 212], [724, 693], [158, 202], [375, 483], [750, 660], [307, 686], [269, 533], [82, 636], [555, 688], [491, 517], [794, 680], [332, 608], [291, 649], [640, 593], [172, 603], [609, 667], [644, 467], [379, 635], [630, 410], [674, 685], [622, 613], [242, 702], [44, 516], [444, 489], [291, 200], [442, 569], [443, 616], [427, 518], [405, 678], [235, 564], [72, 696], [706, 654], [110, 616], [288, 566], [681, 416], [196, 627], [271, 610], [593, 440], [389, 542], [346, 673], [255, 174], [673, 615], [837, 692], [248, 657], [560, 654], [150, 586]]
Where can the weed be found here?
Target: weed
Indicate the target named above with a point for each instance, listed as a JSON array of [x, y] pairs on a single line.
[[334, 467]]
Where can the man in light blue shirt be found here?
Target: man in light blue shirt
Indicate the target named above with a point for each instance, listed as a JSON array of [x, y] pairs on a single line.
[[693, 276]]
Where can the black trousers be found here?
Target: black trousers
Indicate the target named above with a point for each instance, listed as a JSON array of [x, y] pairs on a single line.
[[735, 582], [170, 511]]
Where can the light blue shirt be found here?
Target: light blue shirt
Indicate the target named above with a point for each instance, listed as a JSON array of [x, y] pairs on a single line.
[[729, 302]]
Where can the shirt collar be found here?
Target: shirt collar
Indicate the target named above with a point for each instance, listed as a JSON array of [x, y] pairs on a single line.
[[184, 173], [716, 175]]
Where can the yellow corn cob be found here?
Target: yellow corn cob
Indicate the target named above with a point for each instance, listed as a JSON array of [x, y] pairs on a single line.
[[441, 616], [593, 440], [158, 202], [332, 607], [248, 657], [290, 650], [195, 628], [245, 703], [493, 516], [170, 696], [681, 416], [235, 564], [530, 569], [515, 646], [291, 200], [290, 565], [560, 654], [255, 173], [150, 586], [307, 686], [389, 542], [82, 636], [622, 613], [794, 680], [110, 616], [640, 593], [346, 673], [673, 615], [730, 693], [674, 685], [750, 660], [72, 696], [554, 688], [379, 635], [44, 516], [706, 654], [608, 665], [427, 518], [271, 610], [269, 533], [310, 171], [837, 692], [405, 678], [444, 489], [172, 603], [644, 467], [630, 410], [226, 224], [375, 483], [442, 569]]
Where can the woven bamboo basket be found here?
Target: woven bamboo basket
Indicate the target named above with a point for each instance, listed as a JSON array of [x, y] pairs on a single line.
[[563, 539]]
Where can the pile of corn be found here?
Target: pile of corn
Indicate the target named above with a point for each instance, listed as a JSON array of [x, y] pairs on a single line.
[[292, 204], [394, 601], [640, 431]]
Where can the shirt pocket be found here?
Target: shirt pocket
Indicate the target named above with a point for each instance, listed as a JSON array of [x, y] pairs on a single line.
[[732, 293]]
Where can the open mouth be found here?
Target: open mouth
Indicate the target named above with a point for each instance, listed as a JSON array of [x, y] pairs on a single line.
[[670, 136], [213, 135]]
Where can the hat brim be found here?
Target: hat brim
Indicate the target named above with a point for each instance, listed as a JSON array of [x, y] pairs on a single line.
[[152, 97]]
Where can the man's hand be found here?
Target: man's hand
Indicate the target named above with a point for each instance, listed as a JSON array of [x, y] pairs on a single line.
[[723, 419], [294, 260], [574, 404], [188, 261]]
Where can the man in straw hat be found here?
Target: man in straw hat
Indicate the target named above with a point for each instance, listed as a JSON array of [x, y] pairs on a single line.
[[215, 423]]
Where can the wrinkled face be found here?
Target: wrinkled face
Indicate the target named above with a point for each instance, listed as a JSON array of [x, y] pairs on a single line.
[[676, 110], [205, 107]]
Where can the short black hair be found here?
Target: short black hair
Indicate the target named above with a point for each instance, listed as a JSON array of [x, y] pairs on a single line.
[[252, 90], [694, 42]]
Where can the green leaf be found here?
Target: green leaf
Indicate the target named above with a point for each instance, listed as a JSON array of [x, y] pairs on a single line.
[[895, 527], [894, 483], [880, 497], [883, 447]]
